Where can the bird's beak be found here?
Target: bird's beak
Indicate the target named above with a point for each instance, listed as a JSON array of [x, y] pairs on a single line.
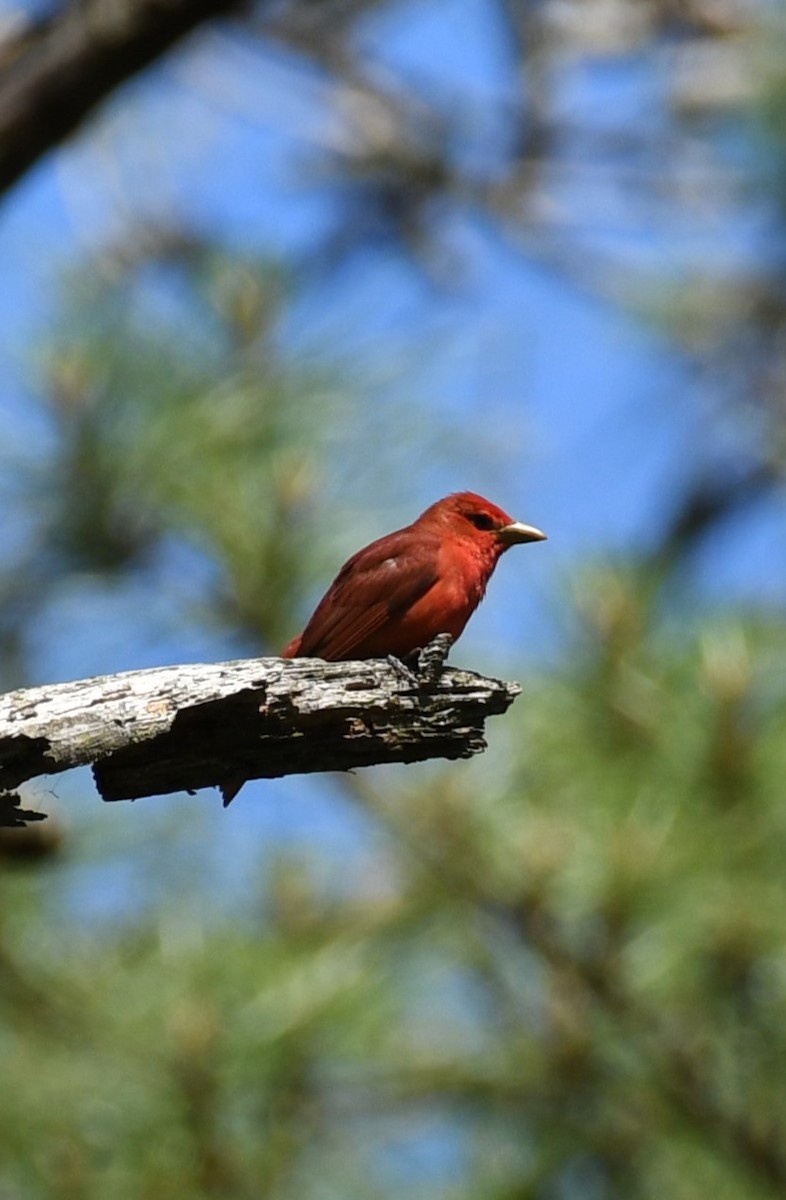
[[509, 535]]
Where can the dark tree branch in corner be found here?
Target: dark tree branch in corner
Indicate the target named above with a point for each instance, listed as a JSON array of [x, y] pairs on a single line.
[[187, 727], [72, 61]]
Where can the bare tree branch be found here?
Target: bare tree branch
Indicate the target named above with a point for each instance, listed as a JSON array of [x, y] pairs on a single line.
[[71, 62], [187, 727]]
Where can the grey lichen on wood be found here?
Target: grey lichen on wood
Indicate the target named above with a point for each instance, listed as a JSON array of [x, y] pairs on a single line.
[[187, 727]]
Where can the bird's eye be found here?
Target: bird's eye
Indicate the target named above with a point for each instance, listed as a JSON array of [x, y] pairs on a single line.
[[481, 520]]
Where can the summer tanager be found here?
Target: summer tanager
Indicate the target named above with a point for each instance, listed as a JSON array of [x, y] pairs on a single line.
[[398, 593]]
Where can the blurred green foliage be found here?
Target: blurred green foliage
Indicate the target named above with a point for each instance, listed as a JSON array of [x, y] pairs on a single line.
[[177, 417], [559, 971], [564, 977]]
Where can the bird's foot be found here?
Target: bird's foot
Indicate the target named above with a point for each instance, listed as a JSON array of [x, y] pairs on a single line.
[[431, 659], [423, 667], [403, 670]]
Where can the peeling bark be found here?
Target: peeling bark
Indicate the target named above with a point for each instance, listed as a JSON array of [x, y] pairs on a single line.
[[187, 727]]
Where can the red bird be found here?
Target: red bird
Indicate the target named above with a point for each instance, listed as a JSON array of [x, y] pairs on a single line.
[[397, 594]]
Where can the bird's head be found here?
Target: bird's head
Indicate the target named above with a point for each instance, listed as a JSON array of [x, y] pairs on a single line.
[[477, 520]]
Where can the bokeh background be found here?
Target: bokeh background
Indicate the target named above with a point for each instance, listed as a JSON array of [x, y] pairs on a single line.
[[268, 289]]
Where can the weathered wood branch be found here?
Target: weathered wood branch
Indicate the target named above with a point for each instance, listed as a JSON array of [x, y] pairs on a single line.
[[64, 65], [187, 727]]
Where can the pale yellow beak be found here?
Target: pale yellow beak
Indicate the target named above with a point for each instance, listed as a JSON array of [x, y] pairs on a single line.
[[518, 532]]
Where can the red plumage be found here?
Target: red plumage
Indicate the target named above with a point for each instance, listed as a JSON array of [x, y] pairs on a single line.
[[395, 595], [398, 593]]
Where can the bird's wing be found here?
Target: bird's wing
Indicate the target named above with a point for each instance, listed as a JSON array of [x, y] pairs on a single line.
[[376, 586]]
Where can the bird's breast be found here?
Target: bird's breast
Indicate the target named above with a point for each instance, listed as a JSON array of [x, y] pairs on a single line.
[[457, 591]]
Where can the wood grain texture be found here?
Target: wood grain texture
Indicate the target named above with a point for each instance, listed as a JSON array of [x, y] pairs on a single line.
[[187, 727]]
